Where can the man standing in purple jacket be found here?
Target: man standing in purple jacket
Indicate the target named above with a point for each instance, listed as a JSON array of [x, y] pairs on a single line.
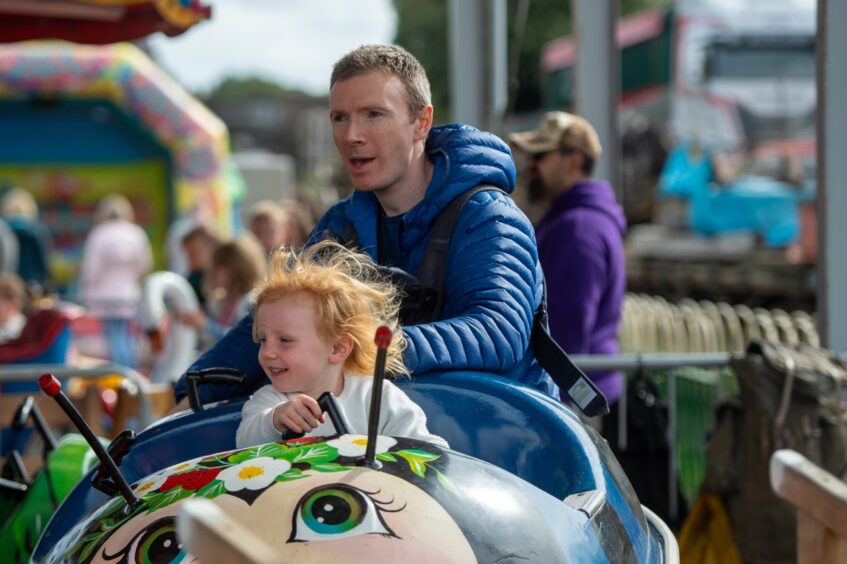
[[580, 240]]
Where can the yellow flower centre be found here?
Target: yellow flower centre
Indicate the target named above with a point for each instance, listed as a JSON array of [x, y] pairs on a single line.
[[250, 472], [180, 467], [360, 442]]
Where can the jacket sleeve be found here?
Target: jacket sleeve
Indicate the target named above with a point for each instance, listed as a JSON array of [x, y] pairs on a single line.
[[257, 419], [235, 350], [493, 287]]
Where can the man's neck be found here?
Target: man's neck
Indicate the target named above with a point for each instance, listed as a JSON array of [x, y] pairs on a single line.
[[400, 198]]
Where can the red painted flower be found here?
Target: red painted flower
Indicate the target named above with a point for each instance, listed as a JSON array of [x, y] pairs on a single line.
[[303, 440], [191, 481]]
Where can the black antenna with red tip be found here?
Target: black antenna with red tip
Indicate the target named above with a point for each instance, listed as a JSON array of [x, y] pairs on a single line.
[[51, 386], [382, 339]]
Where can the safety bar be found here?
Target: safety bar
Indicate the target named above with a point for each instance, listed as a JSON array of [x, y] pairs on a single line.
[[26, 372]]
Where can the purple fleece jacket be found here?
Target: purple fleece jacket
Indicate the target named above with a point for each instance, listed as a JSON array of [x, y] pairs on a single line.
[[580, 245]]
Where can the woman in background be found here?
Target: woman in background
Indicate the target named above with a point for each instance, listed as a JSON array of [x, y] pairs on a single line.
[[115, 257]]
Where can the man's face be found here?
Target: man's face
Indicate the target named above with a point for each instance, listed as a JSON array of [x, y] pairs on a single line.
[[374, 133], [552, 172]]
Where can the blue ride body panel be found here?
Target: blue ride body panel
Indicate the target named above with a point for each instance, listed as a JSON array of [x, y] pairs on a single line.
[[493, 419]]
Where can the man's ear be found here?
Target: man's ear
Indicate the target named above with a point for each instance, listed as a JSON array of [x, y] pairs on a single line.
[[423, 122], [341, 349]]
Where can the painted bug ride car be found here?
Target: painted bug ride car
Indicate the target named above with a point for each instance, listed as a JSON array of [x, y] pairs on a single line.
[[523, 481]]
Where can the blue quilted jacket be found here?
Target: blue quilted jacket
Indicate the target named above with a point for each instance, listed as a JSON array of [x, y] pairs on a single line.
[[493, 283]]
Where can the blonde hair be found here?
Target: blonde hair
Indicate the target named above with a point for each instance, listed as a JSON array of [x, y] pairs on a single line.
[[18, 202], [352, 298], [114, 206], [244, 257]]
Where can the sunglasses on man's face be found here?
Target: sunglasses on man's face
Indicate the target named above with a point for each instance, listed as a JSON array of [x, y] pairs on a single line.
[[538, 157]]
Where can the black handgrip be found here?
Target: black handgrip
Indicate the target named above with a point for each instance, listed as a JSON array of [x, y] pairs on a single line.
[[214, 375], [329, 404], [117, 450], [22, 413]]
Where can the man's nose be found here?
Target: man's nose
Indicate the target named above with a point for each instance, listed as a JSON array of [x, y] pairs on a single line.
[[354, 132]]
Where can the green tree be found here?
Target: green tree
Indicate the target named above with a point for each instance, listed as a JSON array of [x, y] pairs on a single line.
[[234, 88]]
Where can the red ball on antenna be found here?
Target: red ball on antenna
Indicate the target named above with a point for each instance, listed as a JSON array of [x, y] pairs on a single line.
[[383, 337], [49, 384]]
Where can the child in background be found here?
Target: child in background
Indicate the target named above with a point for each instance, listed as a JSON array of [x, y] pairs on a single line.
[[198, 244], [315, 318], [234, 270], [12, 301]]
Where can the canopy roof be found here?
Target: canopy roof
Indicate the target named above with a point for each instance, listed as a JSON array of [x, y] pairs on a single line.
[[97, 21]]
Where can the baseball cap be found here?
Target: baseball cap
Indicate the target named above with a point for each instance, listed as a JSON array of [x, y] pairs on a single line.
[[559, 130]]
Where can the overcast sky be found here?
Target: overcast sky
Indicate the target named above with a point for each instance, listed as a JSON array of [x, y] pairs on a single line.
[[293, 42]]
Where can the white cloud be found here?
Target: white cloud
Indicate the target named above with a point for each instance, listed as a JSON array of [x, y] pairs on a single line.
[[292, 42]]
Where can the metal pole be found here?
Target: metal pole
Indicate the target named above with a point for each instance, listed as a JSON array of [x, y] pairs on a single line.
[[598, 80], [832, 170]]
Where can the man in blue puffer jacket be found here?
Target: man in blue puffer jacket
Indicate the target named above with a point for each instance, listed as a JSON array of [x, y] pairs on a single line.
[[405, 173]]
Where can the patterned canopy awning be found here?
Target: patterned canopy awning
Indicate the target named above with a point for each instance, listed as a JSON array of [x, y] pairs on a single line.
[[97, 21]]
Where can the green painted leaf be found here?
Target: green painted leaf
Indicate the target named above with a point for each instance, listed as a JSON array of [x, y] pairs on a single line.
[[420, 455], [319, 454], [445, 481], [242, 456], [212, 490], [291, 474], [330, 467], [386, 457], [167, 498], [415, 465], [272, 450]]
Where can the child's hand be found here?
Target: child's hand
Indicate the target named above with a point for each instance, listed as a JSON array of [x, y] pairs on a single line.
[[301, 414]]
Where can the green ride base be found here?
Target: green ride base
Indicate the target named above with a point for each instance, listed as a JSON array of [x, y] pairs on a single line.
[[22, 523]]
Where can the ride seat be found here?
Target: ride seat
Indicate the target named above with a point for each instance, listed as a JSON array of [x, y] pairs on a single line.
[[45, 339]]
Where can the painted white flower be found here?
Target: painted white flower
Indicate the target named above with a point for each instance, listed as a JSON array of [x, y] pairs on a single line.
[[151, 483], [254, 474], [355, 445]]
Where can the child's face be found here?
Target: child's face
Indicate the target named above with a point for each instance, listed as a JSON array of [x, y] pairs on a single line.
[[291, 352], [269, 233]]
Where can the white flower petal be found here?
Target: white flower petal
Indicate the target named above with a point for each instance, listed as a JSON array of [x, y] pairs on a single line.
[[355, 445], [254, 474]]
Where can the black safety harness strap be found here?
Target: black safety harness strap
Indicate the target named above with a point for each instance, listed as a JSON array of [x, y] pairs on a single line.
[[552, 358]]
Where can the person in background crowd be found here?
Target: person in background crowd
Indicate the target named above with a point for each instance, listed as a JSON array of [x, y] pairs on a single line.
[[580, 240], [115, 257], [34, 241], [267, 221], [299, 222], [12, 301], [198, 244], [235, 268]]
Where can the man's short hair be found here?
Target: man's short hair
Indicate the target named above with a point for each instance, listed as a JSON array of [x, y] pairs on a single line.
[[389, 59]]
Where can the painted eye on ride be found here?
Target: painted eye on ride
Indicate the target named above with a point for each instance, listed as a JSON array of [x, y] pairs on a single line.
[[154, 544], [158, 544], [337, 511]]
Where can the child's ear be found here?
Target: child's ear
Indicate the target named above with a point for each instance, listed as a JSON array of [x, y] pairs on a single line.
[[341, 349]]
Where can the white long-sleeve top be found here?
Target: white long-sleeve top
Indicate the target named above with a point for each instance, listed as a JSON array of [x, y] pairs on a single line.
[[399, 416]]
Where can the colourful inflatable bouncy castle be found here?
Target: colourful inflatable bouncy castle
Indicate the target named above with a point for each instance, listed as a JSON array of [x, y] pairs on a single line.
[[82, 121]]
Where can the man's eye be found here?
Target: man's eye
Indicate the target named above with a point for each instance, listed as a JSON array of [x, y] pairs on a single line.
[[374, 114], [337, 118], [337, 511]]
